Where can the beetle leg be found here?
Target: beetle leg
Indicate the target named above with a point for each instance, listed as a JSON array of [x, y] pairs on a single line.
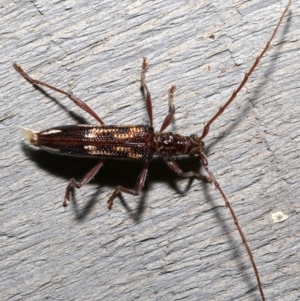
[[76, 100], [85, 180], [138, 187], [148, 95], [169, 117], [174, 166]]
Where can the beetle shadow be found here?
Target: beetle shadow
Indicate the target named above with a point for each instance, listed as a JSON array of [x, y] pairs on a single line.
[[229, 229], [125, 173], [112, 174], [76, 116]]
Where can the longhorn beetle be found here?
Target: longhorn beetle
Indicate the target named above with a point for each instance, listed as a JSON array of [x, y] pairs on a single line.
[[135, 142]]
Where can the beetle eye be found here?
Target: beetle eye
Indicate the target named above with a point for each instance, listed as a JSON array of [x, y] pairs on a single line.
[[195, 138]]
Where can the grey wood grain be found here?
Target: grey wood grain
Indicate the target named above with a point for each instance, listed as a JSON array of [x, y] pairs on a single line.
[[175, 241]]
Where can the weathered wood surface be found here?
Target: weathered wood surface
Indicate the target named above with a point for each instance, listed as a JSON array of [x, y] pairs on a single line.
[[174, 242]]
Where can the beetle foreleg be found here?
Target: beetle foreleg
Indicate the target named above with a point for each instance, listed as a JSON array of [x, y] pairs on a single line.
[[174, 166]]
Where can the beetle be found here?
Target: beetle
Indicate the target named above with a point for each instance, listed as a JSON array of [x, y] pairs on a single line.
[[135, 142]]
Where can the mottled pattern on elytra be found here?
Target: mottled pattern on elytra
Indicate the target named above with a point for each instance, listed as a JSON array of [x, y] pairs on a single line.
[[129, 142]]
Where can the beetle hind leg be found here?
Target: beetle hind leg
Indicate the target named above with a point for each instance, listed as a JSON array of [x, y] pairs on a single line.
[[85, 180]]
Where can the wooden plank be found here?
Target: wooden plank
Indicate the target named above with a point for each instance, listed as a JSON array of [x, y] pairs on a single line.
[[175, 241]]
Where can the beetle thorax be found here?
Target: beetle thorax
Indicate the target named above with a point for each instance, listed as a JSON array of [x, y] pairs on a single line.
[[171, 144]]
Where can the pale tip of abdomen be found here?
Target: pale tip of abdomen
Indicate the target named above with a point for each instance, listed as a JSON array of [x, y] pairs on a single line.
[[29, 136]]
